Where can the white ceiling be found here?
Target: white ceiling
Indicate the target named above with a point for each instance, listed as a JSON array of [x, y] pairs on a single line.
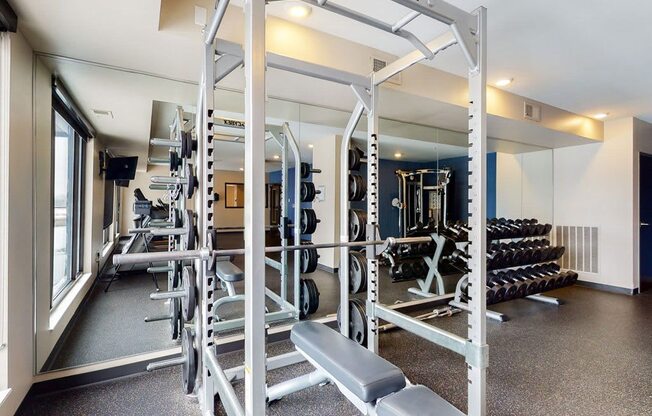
[[525, 39], [584, 56]]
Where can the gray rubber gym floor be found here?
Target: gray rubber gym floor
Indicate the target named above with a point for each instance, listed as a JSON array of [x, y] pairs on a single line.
[[591, 356]]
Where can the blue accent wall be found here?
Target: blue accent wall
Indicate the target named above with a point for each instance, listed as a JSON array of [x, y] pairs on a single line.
[[275, 177], [388, 186]]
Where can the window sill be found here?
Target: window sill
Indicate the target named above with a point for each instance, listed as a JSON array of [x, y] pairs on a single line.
[[3, 395], [58, 312]]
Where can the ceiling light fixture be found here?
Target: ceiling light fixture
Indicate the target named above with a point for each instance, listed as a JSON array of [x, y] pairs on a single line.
[[299, 11], [398, 155], [601, 116], [311, 146], [504, 82], [277, 157], [242, 169]]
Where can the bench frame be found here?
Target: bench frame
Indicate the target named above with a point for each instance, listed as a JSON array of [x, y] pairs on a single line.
[[468, 31]]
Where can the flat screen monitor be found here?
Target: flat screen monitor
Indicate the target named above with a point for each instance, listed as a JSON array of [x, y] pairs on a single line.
[[121, 168]]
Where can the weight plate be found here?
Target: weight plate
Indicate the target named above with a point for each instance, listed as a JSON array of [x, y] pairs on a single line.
[[304, 300], [191, 184], [357, 224], [176, 273], [313, 293], [189, 368], [187, 143], [357, 272], [308, 221], [357, 321], [175, 318], [309, 260], [189, 301], [191, 230], [175, 161], [308, 191], [305, 170], [354, 159]]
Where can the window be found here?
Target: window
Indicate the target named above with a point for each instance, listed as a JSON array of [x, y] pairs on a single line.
[[69, 154]]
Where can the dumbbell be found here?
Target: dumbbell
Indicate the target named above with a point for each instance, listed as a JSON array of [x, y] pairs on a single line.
[[357, 187], [510, 289], [306, 170], [521, 287], [491, 292], [535, 284], [401, 271], [495, 259], [189, 181], [549, 274], [308, 191]]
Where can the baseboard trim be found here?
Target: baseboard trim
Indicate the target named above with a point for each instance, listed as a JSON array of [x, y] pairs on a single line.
[[326, 268], [608, 288]]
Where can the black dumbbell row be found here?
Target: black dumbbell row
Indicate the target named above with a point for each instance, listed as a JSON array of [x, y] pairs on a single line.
[[405, 251], [499, 228], [408, 270], [518, 283], [503, 255]]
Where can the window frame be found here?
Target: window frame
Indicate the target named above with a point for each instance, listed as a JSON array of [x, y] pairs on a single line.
[[76, 240]]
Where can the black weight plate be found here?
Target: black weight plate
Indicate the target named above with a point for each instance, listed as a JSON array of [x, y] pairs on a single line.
[[313, 293], [309, 259], [357, 321], [176, 273], [357, 224], [361, 188], [191, 184], [175, 311], [308, 221], [304, 300], [189, 368], [189, 302], [189, 143], [175, 161], [354, 159], [305, 170], [191, 230], [177, 219], [357, 272], [308, 191]]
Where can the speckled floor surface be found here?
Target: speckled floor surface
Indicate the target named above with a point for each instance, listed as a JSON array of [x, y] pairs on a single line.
[[591, 356]]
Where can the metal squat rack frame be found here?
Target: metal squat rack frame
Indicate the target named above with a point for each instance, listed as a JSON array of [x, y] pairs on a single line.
[[468, 30]]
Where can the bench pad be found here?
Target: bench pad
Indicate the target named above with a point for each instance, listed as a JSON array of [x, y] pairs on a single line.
[[416, 400], [228, 272], [364, 373]]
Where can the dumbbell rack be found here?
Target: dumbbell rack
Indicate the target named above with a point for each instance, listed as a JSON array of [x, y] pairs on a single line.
[[433, 276], [458, 300]]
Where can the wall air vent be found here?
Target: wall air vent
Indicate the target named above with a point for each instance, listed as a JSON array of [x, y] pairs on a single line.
[[531, 111], [582, 249], [378, 64], [103, 113]]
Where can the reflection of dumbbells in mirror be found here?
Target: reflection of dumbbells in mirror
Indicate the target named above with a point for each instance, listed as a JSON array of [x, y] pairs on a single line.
[[357, 187], [188, 181]]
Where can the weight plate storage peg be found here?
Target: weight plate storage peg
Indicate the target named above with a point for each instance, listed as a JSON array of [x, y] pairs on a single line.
[[358, 321], [189, 366], [309, 221], [189, 301], [357, 224], [308, 191], [357, 272], [309, 298], [309, 259], [175, 161]]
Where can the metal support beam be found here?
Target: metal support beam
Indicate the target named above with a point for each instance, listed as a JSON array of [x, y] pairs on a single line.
[[254, 212], [373, 284], [220, 10], [477, 326]]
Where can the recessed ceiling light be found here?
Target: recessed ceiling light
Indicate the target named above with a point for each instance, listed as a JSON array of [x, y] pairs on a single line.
[[103, 113], [298, 10], [504, 82], [311, 146], [600, 116], [398, 155], [242, 169], [277, 157]]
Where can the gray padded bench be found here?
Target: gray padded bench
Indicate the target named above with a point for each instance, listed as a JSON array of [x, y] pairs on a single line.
[[364, 373], [227, 271], [368, 376]]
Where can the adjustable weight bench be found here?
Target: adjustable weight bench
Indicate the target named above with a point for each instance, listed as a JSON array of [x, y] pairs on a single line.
[[228, 273], [374, 385]]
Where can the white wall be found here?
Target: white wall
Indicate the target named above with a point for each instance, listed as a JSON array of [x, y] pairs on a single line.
[[524, 185], [328, 230], [18, 272], [594, 186]]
